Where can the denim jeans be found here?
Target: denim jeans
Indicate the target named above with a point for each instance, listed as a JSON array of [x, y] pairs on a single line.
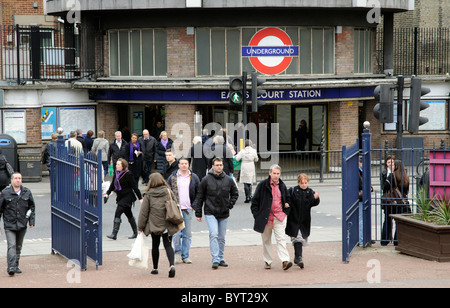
[[217, 230], [15, 241], [182, 240]]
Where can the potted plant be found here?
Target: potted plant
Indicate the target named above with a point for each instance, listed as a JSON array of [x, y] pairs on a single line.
[[426, 234]]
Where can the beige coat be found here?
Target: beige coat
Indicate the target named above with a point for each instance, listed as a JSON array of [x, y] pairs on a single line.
[[152, 216], [248, 157]]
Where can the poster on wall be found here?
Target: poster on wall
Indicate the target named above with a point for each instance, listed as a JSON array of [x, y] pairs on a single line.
[[73, 118], [14, 124], [48, 122]]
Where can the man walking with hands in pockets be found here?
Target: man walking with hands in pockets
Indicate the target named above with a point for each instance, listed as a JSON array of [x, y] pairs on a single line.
[[17, 209], [270, 206], [219, 193]]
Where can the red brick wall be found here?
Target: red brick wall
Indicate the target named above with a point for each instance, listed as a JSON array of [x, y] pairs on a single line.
[[180, 53], [344, 51]]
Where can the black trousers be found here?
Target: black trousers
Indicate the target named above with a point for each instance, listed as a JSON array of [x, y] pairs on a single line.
[[167, 242]]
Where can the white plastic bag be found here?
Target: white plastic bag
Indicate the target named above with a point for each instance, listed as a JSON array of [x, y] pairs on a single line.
[[105, 187], [139, 253]]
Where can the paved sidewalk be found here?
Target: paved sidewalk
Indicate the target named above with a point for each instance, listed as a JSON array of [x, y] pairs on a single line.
[[371, 267]]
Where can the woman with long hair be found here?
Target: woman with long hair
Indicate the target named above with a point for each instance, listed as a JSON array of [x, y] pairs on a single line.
[[152, 220], [394, 179]]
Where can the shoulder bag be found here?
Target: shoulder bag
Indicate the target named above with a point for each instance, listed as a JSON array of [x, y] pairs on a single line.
[[173, 211]]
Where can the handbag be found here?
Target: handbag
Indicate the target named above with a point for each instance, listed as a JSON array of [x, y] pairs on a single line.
[[173, 211], [395, 198]]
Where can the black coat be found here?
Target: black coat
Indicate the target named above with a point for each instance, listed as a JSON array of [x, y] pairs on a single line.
[[161, 154], [262, 203], [115, 153], [302, 200], [198, 160], [148, 148], [125, 196], [13, 208], [218, 192]]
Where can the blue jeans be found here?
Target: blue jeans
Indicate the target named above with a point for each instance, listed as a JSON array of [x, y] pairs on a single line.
[[217, 230], [182, 240]]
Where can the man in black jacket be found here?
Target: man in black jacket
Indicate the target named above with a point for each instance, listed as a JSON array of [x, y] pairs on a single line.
[[117, 149], [270, 206], [148, 148], [219, 193], [17, 208]]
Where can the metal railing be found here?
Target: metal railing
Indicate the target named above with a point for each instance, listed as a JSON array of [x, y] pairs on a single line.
[[418, 51], [63, 53]]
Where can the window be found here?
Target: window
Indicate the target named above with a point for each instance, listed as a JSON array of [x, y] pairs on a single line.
[[218, 51], [138, 52], [363, 51]]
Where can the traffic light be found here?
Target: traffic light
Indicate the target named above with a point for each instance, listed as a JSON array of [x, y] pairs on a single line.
[[384, 110], [257, 92], [415, 105], [236, 91]]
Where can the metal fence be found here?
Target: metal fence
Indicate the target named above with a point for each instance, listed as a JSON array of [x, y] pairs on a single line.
[[76, 204], [418, 51], [31, 53]]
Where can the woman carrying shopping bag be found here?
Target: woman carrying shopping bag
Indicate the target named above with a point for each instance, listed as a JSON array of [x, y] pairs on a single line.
[[152, 220]]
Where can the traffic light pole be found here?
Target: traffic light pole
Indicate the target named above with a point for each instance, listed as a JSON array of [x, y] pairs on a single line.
[[400, 87], [244, 98]]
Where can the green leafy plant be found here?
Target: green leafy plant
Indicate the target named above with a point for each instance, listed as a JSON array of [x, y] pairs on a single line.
[[441, 212], [424, 205]]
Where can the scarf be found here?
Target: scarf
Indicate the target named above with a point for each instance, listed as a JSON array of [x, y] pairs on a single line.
[[164, 142], [119, 175], [132, 147]]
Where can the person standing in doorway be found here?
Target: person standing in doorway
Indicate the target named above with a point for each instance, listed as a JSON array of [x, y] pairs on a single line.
[[148, 144], [302, 135], [17, 208], [184, 184], [270, 207], [219, 194]]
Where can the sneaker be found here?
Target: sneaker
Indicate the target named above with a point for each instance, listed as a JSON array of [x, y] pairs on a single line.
[[11, 271], [215, 265], [223, 264], [187, 261], [18, 271], [177, 258], [286, 265], [267, 266]]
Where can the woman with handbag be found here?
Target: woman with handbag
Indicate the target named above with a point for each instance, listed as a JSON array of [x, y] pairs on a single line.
[[153, 219], [395, 185], [126, 189]]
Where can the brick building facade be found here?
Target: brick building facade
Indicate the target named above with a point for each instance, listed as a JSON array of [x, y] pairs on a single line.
[[345, 54]]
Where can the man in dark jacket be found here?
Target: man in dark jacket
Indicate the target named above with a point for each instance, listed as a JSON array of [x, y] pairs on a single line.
[[117, 149], [148, 148], [17, 208], [219, 193], [270, 206]]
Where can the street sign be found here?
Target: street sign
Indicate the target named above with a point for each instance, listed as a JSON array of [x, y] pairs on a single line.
[[270, 51]]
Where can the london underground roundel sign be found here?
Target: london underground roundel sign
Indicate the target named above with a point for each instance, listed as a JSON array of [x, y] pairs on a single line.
[[270, 51]]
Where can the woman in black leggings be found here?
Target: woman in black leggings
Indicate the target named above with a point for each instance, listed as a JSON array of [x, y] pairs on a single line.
[[152, 220]]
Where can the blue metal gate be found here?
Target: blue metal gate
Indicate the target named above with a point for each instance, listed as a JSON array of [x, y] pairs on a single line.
[[76, 204], [351, 212]]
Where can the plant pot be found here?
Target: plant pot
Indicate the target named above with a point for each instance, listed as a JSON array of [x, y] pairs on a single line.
[[422, 239]]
